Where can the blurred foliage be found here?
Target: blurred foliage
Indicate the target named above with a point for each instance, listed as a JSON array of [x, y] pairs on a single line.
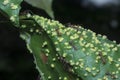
[[43, 4]]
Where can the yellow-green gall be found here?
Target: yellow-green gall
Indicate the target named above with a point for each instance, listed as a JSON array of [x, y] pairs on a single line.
[[54, 59], [76, 67], [104, 37], [57, 49], [28, 15], [60, 78], [60, 39], [71, 62], [47, 54], [56, 42], [119, 59], [81, 65], [23, 26], [5, 2], [98, 57], [85, 74], [44, 44], [48, 32], [96, 61], [110, 59], [97, 70], [47, 50], [94, 68], [68, 47], [76, 36], [117, 65], [66, 43], [115, 49], [88, 69], [37, 30], [114, 41], [31, 30], [52, 65], [94, 74], [99, 79], [65, 78], [77, 63], [49, 77], [113, 72], [104, 53], [67, 33], [105, 78], [13, 6], [54, 33], [12, 18], [77, 79], [64, 54]]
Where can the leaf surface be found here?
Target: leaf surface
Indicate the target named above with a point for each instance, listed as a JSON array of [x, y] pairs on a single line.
[[11, 8], [47, 61]]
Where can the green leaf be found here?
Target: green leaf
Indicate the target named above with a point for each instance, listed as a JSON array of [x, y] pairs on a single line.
[[46, 59], [11, 8], [92, 57], [43, 4]]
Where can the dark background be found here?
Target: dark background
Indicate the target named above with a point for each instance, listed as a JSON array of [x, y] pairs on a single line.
[[16, 63]]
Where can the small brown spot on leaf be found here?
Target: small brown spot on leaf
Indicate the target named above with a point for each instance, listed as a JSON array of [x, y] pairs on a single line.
[[44, 58], [102, 58]]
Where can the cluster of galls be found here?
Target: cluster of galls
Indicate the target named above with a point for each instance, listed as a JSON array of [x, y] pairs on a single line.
[[65, 65], [92, 57], [12, 6]]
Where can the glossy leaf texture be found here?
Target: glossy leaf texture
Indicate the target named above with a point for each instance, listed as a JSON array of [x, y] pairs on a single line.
[[90, 56], [11, 8], [50, 64], [43, 4]]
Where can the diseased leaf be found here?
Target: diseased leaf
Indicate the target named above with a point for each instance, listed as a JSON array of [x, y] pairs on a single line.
[[43, 4], [11, 8], [91, 56], [47, 61]]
